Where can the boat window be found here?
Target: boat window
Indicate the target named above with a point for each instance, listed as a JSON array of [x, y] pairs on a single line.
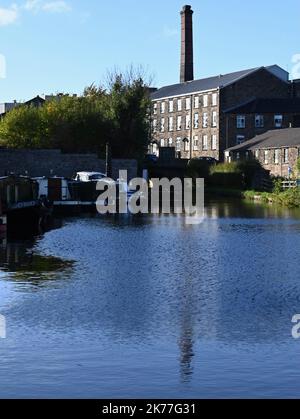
[[96, 177]]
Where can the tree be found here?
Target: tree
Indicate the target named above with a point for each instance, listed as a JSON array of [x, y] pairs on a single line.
[[117, 115]]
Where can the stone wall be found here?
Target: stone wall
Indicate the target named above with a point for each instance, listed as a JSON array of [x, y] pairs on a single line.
[[53, 162]]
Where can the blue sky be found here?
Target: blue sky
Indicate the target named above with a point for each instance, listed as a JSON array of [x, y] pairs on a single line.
[[62, 46]]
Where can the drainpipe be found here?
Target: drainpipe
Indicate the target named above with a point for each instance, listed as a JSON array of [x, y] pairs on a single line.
[[227, 132], [191, 129]]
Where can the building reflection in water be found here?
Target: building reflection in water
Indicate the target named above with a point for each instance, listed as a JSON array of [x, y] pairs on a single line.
[[186, 343]]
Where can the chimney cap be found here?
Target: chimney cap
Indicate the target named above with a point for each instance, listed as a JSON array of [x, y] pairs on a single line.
[[187, 8]]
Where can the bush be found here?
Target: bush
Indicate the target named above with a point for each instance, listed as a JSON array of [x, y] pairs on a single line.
[[235, 174]]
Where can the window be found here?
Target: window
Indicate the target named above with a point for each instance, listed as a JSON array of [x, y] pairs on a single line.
[[162, 142], [196, 120], [205, 120], [178, 144], [154, 124], [162, 107], [257, 154], [187, 145], [170, 142], [286, 157], [205, 101], [171, 106], [277, 156], [214, 119], [179, 123], [278, 121], [188, 122], [238, 156], [205, 143], [155, 108], [214, 142], [259, 121], [241, 121], [196, 143], [179, 105], [171, 123], [196, 102], [240, 139], [215, 99], [266, 157], [188, 103], [162, 125]]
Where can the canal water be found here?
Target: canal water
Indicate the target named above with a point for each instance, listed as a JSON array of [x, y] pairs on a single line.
[[149, 307]]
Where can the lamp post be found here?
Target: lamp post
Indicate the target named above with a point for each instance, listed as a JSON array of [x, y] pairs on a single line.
[[108, 163]]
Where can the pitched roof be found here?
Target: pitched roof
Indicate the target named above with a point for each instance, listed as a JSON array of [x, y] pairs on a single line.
[[280, 106], [289, 137], [212, 83]]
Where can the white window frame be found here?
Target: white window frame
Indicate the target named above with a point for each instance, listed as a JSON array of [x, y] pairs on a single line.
[[179, 105], [171, 106], [155, 109], [215, 99], [188, 103], [179, 123], [278, 121], [170, 142], [178, 144], [187, 145], [188, 122], [162, 107], [214, 142], [277, 156], [286, 155], [196, 143], [171, 124], [196, 120], [205, 101], [241, 121], [205, 142], [205, 120], [154, 125], [162, 125], [214, 119], [196, 102], [266, 157], [259, 121]]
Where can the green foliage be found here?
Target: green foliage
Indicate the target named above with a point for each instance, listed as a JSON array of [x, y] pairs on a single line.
[[277, 185], [298, 166], [234, 175], [117, 115], [225, 168], [198, 169], [288, 198]]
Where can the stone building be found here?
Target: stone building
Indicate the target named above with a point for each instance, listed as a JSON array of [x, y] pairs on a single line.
[[193, 116], [278, 151]]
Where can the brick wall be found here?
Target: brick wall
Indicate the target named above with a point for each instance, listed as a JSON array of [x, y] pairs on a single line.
[[47, 162], [260, 84]]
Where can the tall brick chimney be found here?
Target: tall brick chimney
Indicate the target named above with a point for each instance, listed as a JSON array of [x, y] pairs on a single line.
[[187, 54]]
